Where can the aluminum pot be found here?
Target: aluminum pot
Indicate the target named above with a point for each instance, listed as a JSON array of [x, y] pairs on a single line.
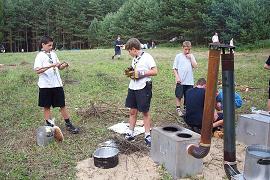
[[257, 163], [106, 157]]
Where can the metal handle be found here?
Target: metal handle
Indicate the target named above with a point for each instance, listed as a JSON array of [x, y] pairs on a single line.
[[264, 161], [250, 133]]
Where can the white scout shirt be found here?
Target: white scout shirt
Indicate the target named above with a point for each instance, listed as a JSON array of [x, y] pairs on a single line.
[[144, 62], [184, 68], [51, 77]]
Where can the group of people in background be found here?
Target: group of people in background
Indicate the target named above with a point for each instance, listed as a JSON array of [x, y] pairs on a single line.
[[118, 45], [143, 67]]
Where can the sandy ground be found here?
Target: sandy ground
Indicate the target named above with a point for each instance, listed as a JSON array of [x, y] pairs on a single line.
[[134, 167]]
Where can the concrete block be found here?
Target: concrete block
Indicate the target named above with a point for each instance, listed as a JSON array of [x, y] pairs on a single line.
[[253, 129], [169, 148]]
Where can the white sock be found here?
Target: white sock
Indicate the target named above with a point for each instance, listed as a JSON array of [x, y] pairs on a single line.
[[146, 134], [131, 132]]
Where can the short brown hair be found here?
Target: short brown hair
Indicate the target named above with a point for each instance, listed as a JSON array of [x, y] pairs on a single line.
[[186, 44], [133, 43], [201, 82]]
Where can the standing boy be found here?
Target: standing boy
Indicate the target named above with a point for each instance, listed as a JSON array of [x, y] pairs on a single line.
[[215, 38], [117, 47], [51, 92], [140, 88], [183, 71]]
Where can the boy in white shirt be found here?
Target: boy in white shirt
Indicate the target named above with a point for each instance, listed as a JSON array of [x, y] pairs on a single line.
[[140, 88], [183, 71], [51, 92]]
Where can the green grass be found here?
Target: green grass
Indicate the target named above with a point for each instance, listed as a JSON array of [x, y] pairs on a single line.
[[97, 79]]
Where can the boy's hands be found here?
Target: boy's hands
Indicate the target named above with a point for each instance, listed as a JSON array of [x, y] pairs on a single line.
[[188, 56], [62, 65], [129, 72]]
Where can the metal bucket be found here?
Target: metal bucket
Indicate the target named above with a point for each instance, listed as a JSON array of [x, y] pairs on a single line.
[[257, 163], [45, 135], [106, 157]]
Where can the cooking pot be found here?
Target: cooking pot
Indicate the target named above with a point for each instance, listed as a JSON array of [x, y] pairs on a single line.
[[44, 135], [257, 163], [106, 157]]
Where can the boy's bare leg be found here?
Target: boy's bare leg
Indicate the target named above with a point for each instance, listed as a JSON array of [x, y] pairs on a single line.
[[132, 118], [178, 105], [47, 113], [218, 123], [178, 102], [64, 112], [147, 122]]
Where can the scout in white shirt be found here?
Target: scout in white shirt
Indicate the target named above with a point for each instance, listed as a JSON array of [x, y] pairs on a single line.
[[183, 71], [51, 92], [139, 95]]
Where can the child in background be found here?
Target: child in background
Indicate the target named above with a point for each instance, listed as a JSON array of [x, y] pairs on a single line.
[[183, 71], [51, 92]]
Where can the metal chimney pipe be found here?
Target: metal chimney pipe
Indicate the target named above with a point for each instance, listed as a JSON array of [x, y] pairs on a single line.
[[209, 104], [227, 61]]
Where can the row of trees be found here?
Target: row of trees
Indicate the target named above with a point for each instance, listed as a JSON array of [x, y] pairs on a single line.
[[89, 23]]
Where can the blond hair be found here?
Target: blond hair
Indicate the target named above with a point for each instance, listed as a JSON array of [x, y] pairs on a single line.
[[186, 44]]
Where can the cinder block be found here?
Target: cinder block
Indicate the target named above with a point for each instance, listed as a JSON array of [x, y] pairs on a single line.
[[253, 129], [169, 148]]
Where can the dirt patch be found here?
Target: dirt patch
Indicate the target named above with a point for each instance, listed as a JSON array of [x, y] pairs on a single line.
[[140, 166], [132, 167]]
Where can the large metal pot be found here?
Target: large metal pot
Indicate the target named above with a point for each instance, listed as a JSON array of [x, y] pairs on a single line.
[[106, 157], [257, 163]]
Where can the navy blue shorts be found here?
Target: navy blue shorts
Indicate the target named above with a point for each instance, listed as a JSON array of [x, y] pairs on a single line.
[[181, 90], [54, 97], [117, 51], [140, 99]]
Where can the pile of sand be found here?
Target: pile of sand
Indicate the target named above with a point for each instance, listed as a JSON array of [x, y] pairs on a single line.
[[135, 167]]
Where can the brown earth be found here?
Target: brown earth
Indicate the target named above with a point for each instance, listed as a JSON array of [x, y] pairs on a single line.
[[139, 166]]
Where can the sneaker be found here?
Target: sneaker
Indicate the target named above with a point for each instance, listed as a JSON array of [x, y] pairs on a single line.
[[147, 140], [129, 137], [50, 122], [72, 129], [179, 112]]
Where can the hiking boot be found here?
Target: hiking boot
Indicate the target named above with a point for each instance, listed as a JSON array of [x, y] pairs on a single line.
[[147, 140], [72, 129], [179, 112], [129, 137]]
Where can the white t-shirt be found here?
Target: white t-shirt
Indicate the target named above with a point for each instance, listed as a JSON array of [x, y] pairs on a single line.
[[144, 62], [184, 68], [215, 39], [51, 77]]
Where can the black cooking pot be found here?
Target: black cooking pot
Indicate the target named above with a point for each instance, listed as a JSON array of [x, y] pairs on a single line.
[[106, 157]]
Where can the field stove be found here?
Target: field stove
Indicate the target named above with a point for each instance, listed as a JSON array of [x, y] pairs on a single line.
[[253, 129], [168, 148]]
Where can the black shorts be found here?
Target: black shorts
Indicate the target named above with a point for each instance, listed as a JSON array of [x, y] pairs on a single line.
[[140, 99], [54, 97], [181, 90]]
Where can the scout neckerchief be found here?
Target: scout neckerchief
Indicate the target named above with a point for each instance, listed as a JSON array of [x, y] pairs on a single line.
[[51, 62], [136, 60]]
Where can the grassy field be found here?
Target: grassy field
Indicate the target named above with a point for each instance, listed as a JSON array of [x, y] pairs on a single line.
[[94, 78]]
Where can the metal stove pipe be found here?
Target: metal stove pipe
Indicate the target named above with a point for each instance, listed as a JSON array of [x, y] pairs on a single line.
[[209, 104], [227, 61]]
